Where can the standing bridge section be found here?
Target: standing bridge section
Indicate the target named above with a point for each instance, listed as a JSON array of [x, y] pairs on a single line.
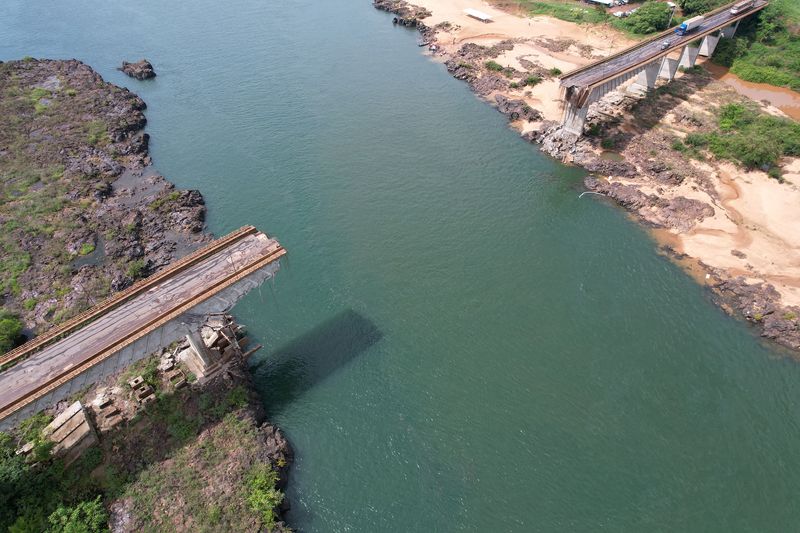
[[134, 323], [657, 57]]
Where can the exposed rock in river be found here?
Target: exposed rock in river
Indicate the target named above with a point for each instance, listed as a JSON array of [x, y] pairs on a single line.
[[141, 70]]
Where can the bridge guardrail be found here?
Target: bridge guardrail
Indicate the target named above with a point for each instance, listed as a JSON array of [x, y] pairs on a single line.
[[78, 321]]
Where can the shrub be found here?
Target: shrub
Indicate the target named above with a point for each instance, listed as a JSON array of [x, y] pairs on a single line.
[[86, 248], [533, 80], [678, 145], [555, 71], [775, 173], [10, 331], [608, 143], [86, 517], [262, 495], [493, 66], [137, 269], [697, 140]]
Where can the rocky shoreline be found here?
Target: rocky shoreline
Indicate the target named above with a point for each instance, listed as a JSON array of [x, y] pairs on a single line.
[[83, 208], [84, 214], [757, 302]]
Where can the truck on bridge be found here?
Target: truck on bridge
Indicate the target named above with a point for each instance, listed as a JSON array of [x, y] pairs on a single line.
[[690, 24]]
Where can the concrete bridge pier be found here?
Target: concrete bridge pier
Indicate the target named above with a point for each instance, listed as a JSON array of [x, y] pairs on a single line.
[[646, 80], [729, 31], [708, 45], [575, 117], [669, 66], [688, 56]]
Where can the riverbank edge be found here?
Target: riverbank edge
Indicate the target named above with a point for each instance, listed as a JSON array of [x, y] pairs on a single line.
[[128, 185], [759, 304]]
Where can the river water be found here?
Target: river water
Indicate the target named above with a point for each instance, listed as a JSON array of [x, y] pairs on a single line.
[[457, 342]]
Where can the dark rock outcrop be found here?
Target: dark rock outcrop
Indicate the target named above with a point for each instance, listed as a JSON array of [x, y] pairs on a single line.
[[141, 70], [516, 109]]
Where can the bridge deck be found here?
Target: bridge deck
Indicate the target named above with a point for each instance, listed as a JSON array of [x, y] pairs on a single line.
[[102, 335], [644, 52]]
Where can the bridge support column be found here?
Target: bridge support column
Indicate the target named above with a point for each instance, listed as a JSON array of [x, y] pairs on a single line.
[[729, 31], [668, 68], [575, 117], [708, 45], [646, 79], [688, 56], [205, 356]]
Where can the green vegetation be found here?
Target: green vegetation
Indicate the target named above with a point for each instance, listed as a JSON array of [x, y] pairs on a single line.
[[555, 71], [262, 495], [766, 48], [565, 10], [750, 138], [651, 17], [36, 497], [37, 199], [608, 143], [10, 331], [86, 517], [96, 133], [136, 269], [533, 80], [86, 248], [696, 7], [493, 66], [163, 201]]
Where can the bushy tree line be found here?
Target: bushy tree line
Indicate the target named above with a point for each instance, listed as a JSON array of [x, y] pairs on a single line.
[[753, 139], [651, 17], [766, 48]]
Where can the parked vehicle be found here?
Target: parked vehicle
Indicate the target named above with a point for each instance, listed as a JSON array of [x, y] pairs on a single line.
[[689, 25], [665, 45], [742, 6]]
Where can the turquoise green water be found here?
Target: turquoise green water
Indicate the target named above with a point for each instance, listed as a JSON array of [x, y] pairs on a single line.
[[457, 342]]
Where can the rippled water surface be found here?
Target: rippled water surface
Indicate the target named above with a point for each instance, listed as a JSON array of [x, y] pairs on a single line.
[[457, 342]]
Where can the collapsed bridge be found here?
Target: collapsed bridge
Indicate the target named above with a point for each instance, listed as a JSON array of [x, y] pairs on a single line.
[[132, 324], [657, 57]]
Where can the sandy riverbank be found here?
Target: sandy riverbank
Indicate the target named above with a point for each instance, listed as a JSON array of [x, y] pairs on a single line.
[[736, 230], [545, 41]]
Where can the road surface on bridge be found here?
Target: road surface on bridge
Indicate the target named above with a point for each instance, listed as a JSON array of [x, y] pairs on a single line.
[[175, 291], [639, 54]]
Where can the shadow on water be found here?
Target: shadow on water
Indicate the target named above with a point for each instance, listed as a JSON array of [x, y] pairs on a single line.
[[291, 370]]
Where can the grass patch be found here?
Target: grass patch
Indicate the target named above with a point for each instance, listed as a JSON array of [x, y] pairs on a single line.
[[86, 248], [494, 66], [568, 10], [533, 80], [162, 201]]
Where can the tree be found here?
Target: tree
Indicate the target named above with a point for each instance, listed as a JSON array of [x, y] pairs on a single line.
[[651, 17], [696, 7]]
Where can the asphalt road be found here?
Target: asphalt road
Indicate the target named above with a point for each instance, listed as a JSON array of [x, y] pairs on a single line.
[[640, 54], [123, 321]]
